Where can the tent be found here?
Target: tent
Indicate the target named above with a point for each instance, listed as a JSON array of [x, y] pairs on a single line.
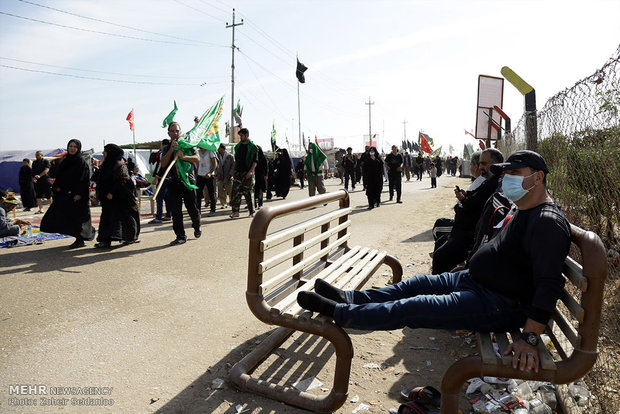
[[11, 162]]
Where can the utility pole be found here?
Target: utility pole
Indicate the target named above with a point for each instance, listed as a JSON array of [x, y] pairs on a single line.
[[232, 93], [369, 103], [405, 131]]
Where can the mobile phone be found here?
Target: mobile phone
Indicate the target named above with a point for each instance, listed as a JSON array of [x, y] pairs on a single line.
[[457, 188]]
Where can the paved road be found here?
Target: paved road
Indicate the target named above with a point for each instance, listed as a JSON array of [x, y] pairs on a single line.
[[154, 324]]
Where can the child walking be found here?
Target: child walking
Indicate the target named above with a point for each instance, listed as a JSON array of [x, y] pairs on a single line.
[[433, 175]]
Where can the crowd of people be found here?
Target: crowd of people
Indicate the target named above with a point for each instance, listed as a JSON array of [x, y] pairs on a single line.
[[200, 175]]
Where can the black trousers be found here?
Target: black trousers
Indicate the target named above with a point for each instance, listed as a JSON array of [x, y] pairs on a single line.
[[453, 252], [178, 195], [349, 174], [395, 183], [203, 182]]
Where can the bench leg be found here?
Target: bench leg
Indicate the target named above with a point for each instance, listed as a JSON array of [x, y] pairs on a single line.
[[454, 378], [240, 377]]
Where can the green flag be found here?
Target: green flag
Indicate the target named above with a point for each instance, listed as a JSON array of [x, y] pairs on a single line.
[[205, 134], [273, 136], [168, 120], [316, 157]]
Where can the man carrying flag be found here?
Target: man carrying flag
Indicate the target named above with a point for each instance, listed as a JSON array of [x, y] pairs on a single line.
[[316, 162], [181, 183], [246, 158]]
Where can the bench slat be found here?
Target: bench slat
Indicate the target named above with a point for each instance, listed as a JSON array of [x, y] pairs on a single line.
[[502, 341], [367, 271], [574, 272], [294, 251], [284, 235], [485, 345], [336, 278], [573, 306], [338, 266], [566, 328], [265, 286]]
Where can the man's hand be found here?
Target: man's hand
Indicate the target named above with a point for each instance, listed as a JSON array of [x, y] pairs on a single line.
[[460, 194], [155, 180], [249, 175], [21, 222], [77, 197], [109, 196], [180, 155], [525, 355]]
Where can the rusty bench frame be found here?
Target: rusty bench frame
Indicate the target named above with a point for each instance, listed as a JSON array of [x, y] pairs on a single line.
[[589, 279], [362, 263]]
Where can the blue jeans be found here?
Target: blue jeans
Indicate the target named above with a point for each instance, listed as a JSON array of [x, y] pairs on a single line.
[[445, 301]]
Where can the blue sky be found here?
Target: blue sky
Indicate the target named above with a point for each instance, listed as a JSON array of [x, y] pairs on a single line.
[[418, 61]]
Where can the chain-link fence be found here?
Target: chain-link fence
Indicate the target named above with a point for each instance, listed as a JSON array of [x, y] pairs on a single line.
[[579, 137]]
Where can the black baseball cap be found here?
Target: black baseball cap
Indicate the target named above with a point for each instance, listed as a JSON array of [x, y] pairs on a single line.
[[520, 159]]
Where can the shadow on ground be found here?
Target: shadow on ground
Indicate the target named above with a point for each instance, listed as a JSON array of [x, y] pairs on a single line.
[[300, 356]]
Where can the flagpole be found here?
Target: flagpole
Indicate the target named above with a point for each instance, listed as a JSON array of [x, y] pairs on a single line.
[[163, 177], [299, 113], [134, 145]]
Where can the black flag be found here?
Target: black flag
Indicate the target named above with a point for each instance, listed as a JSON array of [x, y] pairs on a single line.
[[301, 68]]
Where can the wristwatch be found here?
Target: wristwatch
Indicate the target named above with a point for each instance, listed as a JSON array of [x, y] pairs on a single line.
[[530, 337]]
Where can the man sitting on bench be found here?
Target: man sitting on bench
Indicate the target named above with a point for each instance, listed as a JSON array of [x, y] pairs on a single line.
[[513, 280]]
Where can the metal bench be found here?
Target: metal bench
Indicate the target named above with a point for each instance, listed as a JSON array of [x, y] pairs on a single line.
[[288, 261], [573, 329]]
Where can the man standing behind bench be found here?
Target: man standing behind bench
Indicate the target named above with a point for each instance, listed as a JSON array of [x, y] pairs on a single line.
[[178, 193], [246, 158], [513, 281]]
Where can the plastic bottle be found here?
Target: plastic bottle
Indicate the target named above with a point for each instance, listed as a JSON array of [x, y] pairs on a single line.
[[524, 391], [542, 409], [548, 397], [521, 410], [579, 393], [29, 231]]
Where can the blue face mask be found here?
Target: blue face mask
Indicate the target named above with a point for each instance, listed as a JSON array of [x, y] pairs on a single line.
[[512, 186]]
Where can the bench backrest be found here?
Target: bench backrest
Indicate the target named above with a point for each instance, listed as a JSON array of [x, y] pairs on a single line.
[[574, 323], [280, 260]]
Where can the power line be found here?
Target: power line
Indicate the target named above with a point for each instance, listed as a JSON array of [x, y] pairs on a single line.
[[99, 32], [261, 85], [200, 11], [111, 73], [102, 79], [114, 24]]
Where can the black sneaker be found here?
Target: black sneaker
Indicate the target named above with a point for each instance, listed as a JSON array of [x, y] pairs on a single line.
[[102, 245], [197, 233], [77, 244], [176, 242]]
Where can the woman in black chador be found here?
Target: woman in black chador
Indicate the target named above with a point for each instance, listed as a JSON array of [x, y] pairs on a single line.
[[26, 186], [116, 193], [70, 213], [283, 173], [373, 177]]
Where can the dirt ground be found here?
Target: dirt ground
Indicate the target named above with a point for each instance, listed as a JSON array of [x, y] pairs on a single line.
[[161, 326]]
